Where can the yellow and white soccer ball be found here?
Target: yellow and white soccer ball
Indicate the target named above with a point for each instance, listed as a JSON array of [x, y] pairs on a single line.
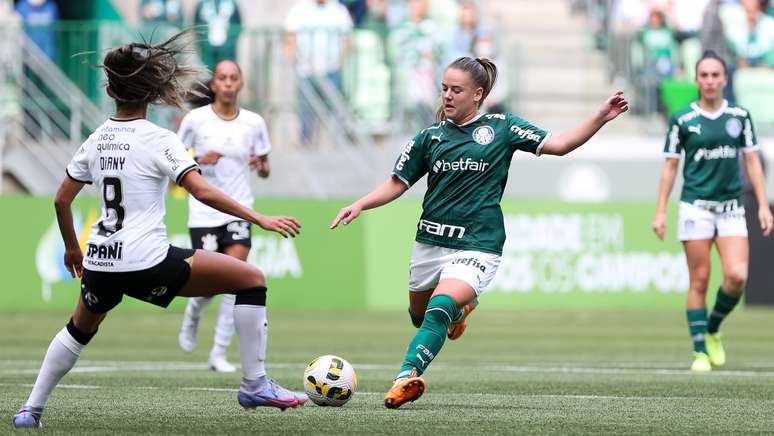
[[330, 381]]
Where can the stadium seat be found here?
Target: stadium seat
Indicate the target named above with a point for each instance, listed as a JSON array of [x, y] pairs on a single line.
[[677, 94], [754, 89]]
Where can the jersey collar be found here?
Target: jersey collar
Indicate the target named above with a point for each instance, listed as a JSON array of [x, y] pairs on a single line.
[[714, 115], [473, 120]]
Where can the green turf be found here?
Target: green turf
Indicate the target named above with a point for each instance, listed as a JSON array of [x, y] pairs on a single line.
[[511, 373]]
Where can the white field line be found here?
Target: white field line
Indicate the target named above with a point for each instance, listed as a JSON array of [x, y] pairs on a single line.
[[86, 367], [466, 395]]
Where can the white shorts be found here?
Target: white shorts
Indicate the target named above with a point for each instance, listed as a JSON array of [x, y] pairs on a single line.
[[431, 264], [703, 222]]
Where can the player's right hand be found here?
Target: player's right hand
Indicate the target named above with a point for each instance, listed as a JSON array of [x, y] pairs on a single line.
[[284, 225], [73, 260], [660, 225], [209, 158], [347, 215]]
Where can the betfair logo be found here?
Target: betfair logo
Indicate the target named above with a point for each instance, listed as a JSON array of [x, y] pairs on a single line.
[[460, 165], [438, 229], [722, 152]]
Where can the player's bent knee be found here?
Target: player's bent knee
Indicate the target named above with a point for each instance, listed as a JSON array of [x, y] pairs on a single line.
[[256, 277], [736, 279], [251, 296], [443, 308]]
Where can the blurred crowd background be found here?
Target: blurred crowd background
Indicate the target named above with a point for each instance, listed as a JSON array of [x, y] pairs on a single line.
[[355, 78]]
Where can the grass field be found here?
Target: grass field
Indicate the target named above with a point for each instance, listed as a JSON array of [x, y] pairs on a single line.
[[512, 373]]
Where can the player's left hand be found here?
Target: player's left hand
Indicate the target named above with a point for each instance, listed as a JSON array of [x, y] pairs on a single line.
[[260, 164], [73, 260], [766, 220], [284, 225], [615, 105]]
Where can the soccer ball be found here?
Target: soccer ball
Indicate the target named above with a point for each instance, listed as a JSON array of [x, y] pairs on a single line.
[[330, 381]]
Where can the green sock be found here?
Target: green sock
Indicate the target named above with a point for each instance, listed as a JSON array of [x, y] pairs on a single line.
[[429, 339], [697, 324], [724, 304]]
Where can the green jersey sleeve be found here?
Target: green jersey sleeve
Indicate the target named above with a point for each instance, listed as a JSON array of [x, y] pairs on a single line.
[[673, 146], [524, 136], [749, 139], [411, 164]]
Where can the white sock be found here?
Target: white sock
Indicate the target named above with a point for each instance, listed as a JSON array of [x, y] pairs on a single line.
[[194, 309], [224, 328], [251, 329], [59, 360]]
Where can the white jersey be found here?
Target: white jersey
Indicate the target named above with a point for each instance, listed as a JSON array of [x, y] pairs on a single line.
[[130, 164], [203, 130]]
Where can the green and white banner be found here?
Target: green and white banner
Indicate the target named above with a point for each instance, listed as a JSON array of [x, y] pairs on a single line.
[[557, 255]]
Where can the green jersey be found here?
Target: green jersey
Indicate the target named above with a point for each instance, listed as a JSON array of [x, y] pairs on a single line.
[[467, 169], [711, 142]]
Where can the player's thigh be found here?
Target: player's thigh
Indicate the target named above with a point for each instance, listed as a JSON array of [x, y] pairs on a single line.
[[216, 273], [460, 291], [734, 253], [84, 319], [697, 255]]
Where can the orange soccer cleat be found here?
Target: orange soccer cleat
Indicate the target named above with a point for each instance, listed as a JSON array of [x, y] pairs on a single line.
[[403, 391], [456, 329]]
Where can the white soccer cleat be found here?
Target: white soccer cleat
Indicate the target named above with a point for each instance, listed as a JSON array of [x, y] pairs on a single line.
[[220, 364]]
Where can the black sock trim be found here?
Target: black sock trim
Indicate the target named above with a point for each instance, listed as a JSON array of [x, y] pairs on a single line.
[[251, 296], [81, 337]]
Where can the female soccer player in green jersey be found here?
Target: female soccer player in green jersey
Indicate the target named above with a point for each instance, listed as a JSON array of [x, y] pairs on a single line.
[[460, 235], [711, 132]]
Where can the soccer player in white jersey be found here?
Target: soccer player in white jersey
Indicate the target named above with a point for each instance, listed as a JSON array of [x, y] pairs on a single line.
[[711, 133], [130, 161], [460, 235], [227, 141]]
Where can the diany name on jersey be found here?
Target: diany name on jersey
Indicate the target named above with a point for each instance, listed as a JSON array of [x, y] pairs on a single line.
[[722, 152], [111, 163]]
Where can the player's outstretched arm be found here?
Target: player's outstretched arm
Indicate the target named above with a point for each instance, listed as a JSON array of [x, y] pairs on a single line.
[[195, 184], [73, 256], [391, 189], [755, 173], [668, 175], [568, 141]]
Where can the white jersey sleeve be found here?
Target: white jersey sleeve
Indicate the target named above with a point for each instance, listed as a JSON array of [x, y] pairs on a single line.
[[260, 138], [78, 168], [171, 157], [187, 132]]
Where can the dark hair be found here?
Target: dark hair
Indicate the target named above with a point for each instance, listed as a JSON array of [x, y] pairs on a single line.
[[143, 73], [200, 94], [481, 70], [710, 54]]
